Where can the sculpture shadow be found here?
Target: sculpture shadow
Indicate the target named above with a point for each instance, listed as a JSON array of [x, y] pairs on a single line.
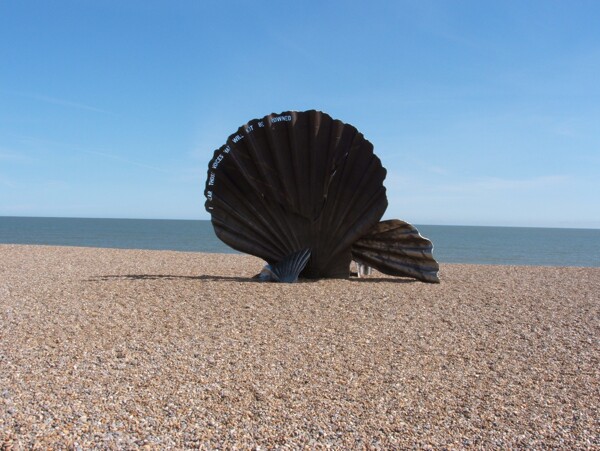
[[214, 278], [107, 278], [382, 279]]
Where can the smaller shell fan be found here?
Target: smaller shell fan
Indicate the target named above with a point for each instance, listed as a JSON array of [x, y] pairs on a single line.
[[396, 248]]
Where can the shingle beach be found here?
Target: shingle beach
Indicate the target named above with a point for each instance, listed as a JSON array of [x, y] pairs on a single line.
[[122, 349]]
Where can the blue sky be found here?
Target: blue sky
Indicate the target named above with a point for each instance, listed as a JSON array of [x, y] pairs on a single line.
[[483, 112]]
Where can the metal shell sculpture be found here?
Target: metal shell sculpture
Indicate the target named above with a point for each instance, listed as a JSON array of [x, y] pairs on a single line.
[[305, 193]]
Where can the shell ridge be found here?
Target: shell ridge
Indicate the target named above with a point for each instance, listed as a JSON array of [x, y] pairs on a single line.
[[360, 196], [229, 225], [319, 134], [235, 163], [256, 148], [314, 173], [353, 163], [246, 245], [322, 252], [251, 228], [423, 252], [211, 175], [251, 216], [239, 156], [278, 229], [338, 180], [219, 156], [346, 202], [279, 146], [296, 163], [362, 226], [293, 240], [332, 158]]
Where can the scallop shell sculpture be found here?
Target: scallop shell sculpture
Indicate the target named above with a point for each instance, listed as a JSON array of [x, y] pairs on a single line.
[[305, 193]]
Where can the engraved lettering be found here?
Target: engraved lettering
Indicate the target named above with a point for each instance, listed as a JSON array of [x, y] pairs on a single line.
[[286, 118], [217, 161]]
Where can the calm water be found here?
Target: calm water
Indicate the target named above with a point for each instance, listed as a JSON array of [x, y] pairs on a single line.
[[453, 244]]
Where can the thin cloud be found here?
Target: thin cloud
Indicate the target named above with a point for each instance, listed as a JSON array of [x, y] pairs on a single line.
[[15, 157], [125, 160], [193, 174], [294, 46], [419, 163], [62, 102], [502, 184], [4, 181], [56, 185], [438, 21], [437, 170]]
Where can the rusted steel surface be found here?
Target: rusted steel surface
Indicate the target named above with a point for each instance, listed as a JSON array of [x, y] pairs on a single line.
[[293, 181], [396, 248]]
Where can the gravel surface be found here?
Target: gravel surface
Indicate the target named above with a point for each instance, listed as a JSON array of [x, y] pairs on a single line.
[[106, 348]]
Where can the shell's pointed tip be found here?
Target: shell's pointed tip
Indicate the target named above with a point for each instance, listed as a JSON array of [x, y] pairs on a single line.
[[267, 275], [432, 277], [286, 270]]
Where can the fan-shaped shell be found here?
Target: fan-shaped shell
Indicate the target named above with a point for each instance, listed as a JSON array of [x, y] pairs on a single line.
[[397, 248], [293, 181]]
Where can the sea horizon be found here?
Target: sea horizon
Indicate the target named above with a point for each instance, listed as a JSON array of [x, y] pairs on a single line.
[[470, 244], [208, 220]]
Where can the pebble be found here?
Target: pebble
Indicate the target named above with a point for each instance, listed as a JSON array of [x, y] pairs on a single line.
[[107, 348]]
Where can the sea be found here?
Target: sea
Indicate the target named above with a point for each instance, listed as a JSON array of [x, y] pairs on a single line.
[[452, 244]]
